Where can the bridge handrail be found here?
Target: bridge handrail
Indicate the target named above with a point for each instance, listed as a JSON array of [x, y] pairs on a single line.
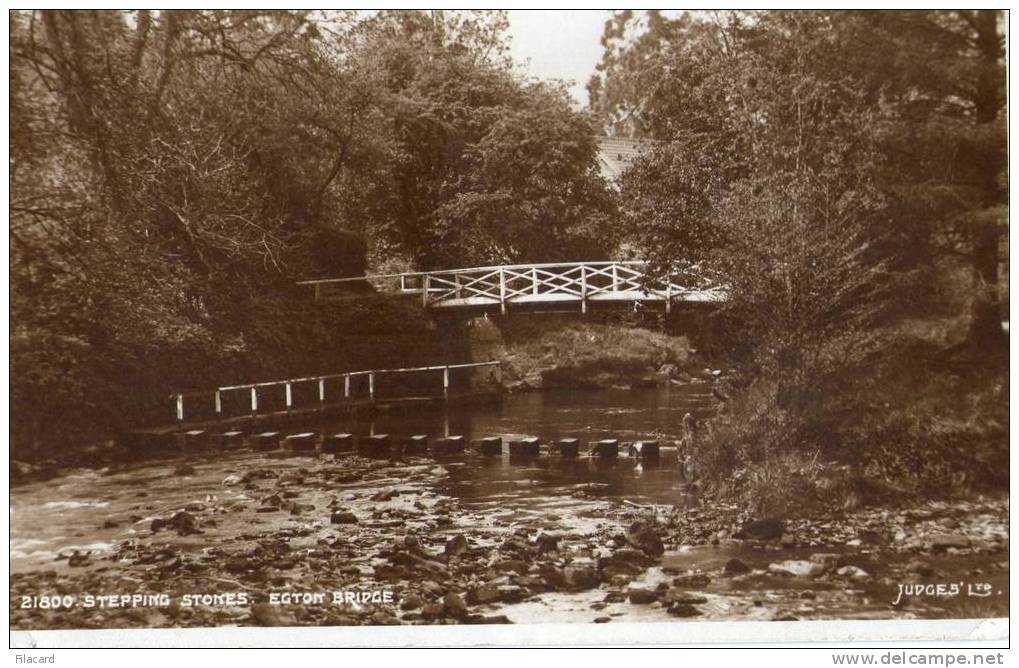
[[494, 267]]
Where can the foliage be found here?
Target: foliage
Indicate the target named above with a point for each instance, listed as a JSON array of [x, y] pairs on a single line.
[[172, 173]]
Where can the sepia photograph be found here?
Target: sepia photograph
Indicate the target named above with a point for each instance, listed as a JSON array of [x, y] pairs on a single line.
[[684, 323]]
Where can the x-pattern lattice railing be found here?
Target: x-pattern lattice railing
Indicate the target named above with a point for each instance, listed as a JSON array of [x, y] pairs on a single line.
[[579, 282]]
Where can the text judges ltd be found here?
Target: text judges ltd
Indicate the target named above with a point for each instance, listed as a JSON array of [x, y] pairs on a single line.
[[224, 599]]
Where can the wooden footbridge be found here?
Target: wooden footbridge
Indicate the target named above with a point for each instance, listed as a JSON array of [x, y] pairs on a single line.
[[537, 286]]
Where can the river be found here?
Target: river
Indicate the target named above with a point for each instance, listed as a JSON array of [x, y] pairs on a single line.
[[536, 534]]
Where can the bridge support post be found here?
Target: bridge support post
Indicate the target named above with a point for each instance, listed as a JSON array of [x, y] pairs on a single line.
[[583, 289], [502, 291]]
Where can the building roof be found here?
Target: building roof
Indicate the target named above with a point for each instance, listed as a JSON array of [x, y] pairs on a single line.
[[615, 154]]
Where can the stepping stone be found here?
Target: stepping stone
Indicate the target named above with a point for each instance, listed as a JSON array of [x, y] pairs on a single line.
[[334, 443], [607, 448], [304, 442], [196, 438], [231, 439], [490, 446], [449, 445], [267, 440], [568, 447], [415, 445], [376, 445], [524, 447], [645, 450]]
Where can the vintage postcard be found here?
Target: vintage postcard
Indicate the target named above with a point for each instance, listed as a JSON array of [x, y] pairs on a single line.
[[425, 326]]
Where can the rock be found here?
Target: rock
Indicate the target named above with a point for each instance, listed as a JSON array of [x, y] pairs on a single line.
[[735, 566], [770, 528], [265, 615], [626, 560], [454, 606], [683, 610], [511, 565], [455, 546], [232, 479], [941, 542], [921, 568], [385, 495], [676, 595], [184, 523], [432, 611], [829, 561], [484, 594], [546, 543], [579, 578], [512, 593], [343, 517], [602, 620], [642, 595], [853, 572], [644, 536], [411, 602], [691, 581], [798, 568]]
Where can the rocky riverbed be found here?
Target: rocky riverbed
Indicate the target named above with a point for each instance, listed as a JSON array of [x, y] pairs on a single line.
[[256, 539]]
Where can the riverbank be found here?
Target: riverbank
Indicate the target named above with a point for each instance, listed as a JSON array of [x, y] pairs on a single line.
[[219, 541], [546, 353]]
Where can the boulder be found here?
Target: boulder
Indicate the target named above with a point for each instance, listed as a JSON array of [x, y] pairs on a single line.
[[735, 567], [683, 610], [486, 593], [453, 605], [691, 581], [770, 528], [343, 517], [644, 536], [455, 546], [797, 567], [642, 595], [853, 573], [677, 595]]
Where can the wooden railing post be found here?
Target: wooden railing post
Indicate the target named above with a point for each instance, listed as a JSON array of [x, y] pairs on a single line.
[[583, 289], [371, 385], [424, 291], [322, 391], [218, 403], [615, 278], [317, 286], [668, 294], [288, 396], [254, 400], [502, 290], [534, 280], [180, 408], [445, 382]]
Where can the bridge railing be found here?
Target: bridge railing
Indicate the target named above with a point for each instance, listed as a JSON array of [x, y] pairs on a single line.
[[581, 282], [311, 392]]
